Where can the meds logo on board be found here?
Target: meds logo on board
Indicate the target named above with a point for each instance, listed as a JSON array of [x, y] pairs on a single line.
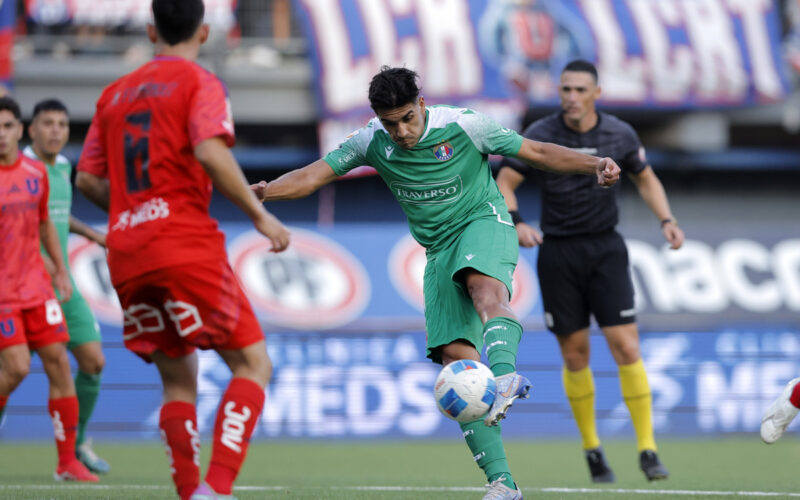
[[315, 284], [87, 261], [407, 268]]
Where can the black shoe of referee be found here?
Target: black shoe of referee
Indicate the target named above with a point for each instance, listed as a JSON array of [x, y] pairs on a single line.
[[598, 468], [651, 466]]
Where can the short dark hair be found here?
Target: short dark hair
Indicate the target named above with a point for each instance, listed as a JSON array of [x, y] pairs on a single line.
[[393, 88], [177, 20], [49, 105], [9, 104], [581, 66]]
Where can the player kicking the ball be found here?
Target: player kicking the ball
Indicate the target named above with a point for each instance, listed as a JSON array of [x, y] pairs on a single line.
[[159, 138], [435, 161]]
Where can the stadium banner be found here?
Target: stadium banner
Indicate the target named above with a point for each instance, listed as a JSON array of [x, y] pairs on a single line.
[[131, 14], [8, 20], [343, 316], [350, 40], [487, 54]]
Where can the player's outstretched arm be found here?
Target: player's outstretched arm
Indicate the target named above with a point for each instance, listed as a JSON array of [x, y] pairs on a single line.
[[219, 163], [49, 238], [652, 192], [77, 226], [297, 183], [555, 158], [94, 188], [508, 180]]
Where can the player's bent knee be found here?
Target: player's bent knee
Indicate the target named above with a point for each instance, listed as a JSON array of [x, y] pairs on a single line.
[[93, 365], [16, 373], [626, 352], [576, 361], [458, 350], [253, 364]]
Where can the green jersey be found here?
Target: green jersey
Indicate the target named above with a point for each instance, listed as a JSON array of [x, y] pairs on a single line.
[[60, 202], [442, 183]]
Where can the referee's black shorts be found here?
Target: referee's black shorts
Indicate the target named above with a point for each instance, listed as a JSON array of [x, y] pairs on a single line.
[[583, 275]]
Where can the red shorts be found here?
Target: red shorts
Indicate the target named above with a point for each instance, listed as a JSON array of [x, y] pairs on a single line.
[[176, 309], [36, 326]]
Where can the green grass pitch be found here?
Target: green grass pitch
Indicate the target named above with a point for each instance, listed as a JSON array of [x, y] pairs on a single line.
[[437, 470]]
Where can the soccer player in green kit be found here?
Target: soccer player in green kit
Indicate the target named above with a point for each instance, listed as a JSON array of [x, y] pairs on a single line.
[[434, 159], [49, 131]]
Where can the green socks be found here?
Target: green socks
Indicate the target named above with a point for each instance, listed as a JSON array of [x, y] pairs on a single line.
[[487, 450], [87, 388], [501, 337]]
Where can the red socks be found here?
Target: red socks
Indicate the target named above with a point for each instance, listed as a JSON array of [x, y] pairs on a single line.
[[237, 415], [178, 424], [795, 397], [64, 413]]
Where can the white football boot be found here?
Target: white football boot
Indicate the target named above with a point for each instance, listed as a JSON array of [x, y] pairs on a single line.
[[497, 490], [779, 415], [206, 492]]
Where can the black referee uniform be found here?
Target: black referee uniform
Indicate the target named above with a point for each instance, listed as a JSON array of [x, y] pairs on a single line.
[[583, 262]]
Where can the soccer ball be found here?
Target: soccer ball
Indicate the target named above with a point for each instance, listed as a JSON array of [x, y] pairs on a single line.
[[464, 390]]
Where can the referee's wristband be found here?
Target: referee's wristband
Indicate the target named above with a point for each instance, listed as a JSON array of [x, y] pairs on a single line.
[[516, 218], [668, 220]]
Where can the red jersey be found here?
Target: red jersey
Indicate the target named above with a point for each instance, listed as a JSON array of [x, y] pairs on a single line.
[[24, 191], [142, 139]]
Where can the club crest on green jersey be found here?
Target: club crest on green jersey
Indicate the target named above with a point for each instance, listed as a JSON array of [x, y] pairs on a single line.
[[443, 151]]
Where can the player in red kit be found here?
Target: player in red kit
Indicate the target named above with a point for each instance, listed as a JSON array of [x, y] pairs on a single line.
[[30, 315], [159, 139]]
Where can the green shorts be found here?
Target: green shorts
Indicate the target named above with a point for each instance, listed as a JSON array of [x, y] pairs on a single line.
[[487, 245], [81, 323]]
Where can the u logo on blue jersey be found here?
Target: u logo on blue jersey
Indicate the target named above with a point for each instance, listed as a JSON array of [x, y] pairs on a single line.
[[33, 185], [7, 328]]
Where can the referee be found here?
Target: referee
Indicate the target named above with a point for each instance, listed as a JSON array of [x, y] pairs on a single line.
[[583, 262]]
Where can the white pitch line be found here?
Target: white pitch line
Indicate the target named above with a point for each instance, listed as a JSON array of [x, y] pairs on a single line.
[[633, 491], [669, 492]]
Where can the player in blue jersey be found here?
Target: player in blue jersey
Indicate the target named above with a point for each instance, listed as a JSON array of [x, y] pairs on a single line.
[[434, 159]]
